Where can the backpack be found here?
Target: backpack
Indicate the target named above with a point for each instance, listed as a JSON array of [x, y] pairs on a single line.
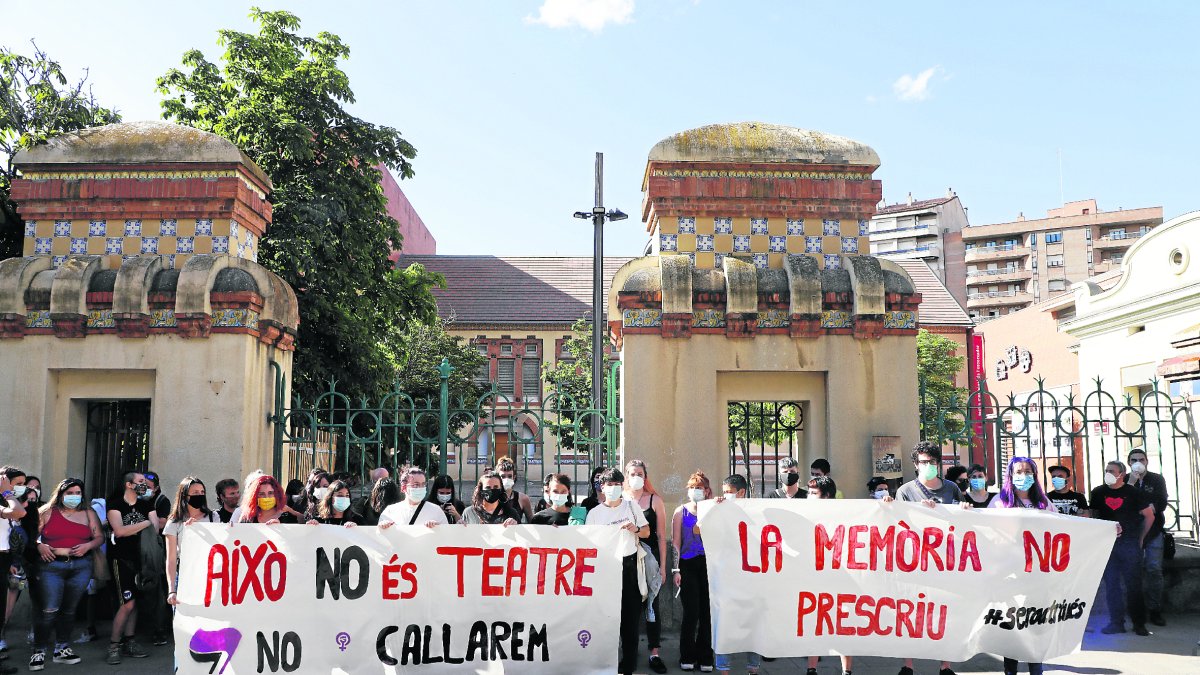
[[153, 558]]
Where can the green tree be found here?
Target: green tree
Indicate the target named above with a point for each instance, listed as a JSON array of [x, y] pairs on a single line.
[[281, 97], [571, 379], [937, 367], [37, 103]]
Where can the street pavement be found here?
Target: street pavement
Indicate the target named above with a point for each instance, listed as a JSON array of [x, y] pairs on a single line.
[[1169, 650]]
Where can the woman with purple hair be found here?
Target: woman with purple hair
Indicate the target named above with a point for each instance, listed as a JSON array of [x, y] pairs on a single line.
[[1022, 491]]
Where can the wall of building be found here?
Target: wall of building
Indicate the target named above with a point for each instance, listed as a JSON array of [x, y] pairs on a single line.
[[418, 240]]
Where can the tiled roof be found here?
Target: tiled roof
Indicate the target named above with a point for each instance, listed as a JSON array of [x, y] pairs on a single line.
[[557, 290], [919, 205], [938, 307], [544, 290]]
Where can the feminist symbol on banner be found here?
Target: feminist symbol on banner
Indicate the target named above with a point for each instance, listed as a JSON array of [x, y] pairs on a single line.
[[584, 638], [208, 646], [343, 640]]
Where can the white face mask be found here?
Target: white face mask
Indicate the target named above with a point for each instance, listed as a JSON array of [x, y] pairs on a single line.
[[18, 490], [444, 498], [508, 483], [696, 494], [612, 492], [1109, 479], [416, 494], [636, 482], [558, 499], [1139, 467], [880, 494], [319, 493], [731, 495]]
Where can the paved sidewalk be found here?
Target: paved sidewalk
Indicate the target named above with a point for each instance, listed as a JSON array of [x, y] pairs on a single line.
[[1170, 650]]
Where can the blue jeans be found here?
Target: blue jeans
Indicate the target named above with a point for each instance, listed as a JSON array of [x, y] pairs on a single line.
[[1125, 569], [1153, 589], [63, 583], [725, 661]]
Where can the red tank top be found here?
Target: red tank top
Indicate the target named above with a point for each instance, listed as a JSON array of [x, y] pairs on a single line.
[[61, 532]]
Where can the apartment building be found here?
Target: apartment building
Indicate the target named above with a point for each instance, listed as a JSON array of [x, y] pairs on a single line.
[[928, 230], [1010, 266]]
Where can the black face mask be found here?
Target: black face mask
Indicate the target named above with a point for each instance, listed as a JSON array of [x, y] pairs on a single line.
[[791, 478], [963, 484], [493, 495], [197, 501]]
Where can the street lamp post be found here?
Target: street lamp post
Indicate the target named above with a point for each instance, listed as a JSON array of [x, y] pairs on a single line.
[[598, 216]]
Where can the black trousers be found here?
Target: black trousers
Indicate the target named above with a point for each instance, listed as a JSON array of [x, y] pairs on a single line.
[[631, 613], [695, 632]]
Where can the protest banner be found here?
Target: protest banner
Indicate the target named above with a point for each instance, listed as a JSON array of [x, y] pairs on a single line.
[[308, 599], [860, 577]]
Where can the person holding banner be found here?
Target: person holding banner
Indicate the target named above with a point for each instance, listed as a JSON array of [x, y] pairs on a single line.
[[978, 494], [1021, 490], [443, 496], [824, 487], [508, 477], [789, 479], [333, 508], [264, 503], [558, 510], [639, 491], [691, 577], [488, 506], [383, 494], [618, 511], [736, 487], [1124, 505], [413, 510], [1067, 501], [930, 490], [191, 506]]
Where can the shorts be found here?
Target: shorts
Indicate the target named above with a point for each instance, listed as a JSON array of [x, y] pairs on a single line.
[[124, 580]]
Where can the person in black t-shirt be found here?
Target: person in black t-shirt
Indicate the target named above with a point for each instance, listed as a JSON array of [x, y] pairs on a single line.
[[229, 494], [594, 497], [558, 512], [1125, 506], [488, 505], [1154, 488], [1067, 501], [442, 495], [130, 510], [789, 481]]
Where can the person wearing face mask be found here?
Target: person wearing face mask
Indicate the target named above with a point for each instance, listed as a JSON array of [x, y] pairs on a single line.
[[977, 494], [640, 492], [30, 560], [334, 507], [1154, 489], [191, 506], [789, 481], [823, 487], [12, 509], [130, 510], [558, 511], [413, 509], [315, 489], [691, 577], [1126, 506], [1065, 500], [957, 474], [616, 510], [820, 468], [1021, 490], [442, 495], [877, 487], [733, 488], [162, 505], [508, 477], [263, 503], [488, 505], [595, 492]]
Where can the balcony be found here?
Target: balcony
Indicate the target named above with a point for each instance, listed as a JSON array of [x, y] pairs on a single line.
[[1117, 240], [922, 230], [998, 252], [994, 276], [998, 299], [1106, 266], [931, 251]]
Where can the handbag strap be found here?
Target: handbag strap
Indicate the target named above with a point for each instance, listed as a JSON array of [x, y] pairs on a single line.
[[420, 505]]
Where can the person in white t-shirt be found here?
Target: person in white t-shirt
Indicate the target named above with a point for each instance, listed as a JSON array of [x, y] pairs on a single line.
[[617, 511], [414, 510]]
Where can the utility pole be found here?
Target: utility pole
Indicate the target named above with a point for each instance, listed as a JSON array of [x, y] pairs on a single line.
[[599, 326]]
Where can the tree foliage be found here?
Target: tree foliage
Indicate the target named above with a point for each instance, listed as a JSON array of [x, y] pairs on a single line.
[[281, 97], [37, 103], [937, 367], [571, 379]]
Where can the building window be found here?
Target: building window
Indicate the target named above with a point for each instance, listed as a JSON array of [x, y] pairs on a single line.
[[1054, 237], [968, 246], [506, 350], [1087, 234], [1056, 285], [1054, 260], [1089, 257], [506, 376], [531, 377]]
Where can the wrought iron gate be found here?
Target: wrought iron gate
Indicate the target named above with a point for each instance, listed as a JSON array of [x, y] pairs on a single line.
[[760, 433], [118, 440]]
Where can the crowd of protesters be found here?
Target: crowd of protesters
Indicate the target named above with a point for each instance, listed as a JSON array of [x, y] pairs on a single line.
[[77, 553]]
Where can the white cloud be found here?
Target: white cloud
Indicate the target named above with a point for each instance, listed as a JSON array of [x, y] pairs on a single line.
[[910, 88], [591, 15]]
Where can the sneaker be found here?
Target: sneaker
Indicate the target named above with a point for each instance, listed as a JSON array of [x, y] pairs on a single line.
[[709, 669], [656, 664], [687, 667], [3, 650], [38, 660], [811, 671], [1112, 628], [945, 671], [64, 654], [1157, 619], [131, 648], [88, 635], [1140, 629], [905, 671], [114, 654], [161, 639]]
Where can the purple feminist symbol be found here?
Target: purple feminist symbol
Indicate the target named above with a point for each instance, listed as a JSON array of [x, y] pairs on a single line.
[[584, 638], [207, 646], [343, 640]]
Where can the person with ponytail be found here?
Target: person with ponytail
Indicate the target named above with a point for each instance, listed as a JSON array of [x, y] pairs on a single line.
[[691, 577], [641, 493], [508, 478]]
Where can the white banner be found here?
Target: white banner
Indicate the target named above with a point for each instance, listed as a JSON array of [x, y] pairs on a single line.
[[326, 599], [860, 577]]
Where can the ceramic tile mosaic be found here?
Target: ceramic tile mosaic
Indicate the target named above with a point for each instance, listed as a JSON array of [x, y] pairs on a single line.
[[113, 245], [100, 318], [741, 243], [234, 228], [778, 244], [708, 318], [234, 318], [704, 242], [79, 245], [836, 318], [62, 228], [163, 318], [185, 244], [38, 318], [168, 228], [723, 225], [833, 262], [687, 225], [849, 244], [57, 261], [637, 318], [760, 261], [220, 244], [41, 245], [719, 261], [97, 228], [774, 318], [864, 228], [204, 227], [169, 261], [31, 228], [133, 228], [904, 319], [831, 228], [149, 245], [691, 256], [668, 242], [812, 244], [795, 227], [758, 226]]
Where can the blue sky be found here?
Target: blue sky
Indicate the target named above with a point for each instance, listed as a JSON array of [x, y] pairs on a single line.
[[507, 101]]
